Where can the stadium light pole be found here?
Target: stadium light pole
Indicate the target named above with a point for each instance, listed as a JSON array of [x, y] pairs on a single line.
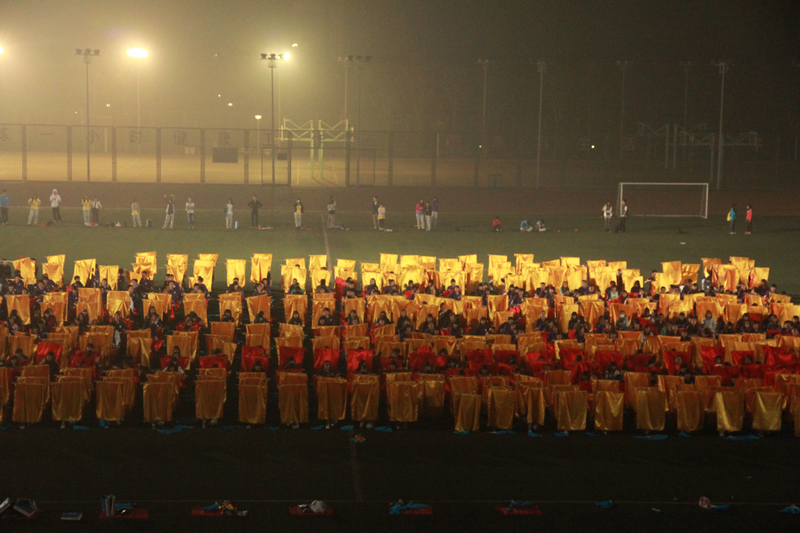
[[686, 66], [541, 66], [272, 62], [258, 143], [138, 54], [88, 54], [484, 63], [360, 60], [723, 69], [623, 66]]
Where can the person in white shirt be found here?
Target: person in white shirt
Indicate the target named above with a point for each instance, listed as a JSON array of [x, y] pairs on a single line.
[[623, 217], [190, 212], [608, 212], [137, 219], [96, 206], [55, 204], [169, 221], [229, 214]]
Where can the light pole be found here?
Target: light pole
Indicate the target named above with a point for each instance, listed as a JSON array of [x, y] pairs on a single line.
[[360, 60], [258, 142], [723, 69], [272, 62], [686, 66], [485, 64], [623, 66], [138, 53], [88, 54], [347, 60], [541, 66]]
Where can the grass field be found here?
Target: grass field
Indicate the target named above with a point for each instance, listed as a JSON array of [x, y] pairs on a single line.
[[649, 241]]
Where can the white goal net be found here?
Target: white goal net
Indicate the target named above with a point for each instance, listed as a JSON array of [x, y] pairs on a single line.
[[664, 199]]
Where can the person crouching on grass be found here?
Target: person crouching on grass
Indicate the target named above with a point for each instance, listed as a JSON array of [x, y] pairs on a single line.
[[497, 224]]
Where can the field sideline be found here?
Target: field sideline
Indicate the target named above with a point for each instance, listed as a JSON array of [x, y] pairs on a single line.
[[649, 241]]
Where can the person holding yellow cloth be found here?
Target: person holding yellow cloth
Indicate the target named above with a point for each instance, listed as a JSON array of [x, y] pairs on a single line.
[[86, 204], [33, 216]]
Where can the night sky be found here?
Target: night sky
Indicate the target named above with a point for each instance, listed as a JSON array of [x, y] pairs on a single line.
[[424, 73]]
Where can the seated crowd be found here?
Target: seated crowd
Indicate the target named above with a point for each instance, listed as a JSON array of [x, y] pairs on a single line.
[[558, 341]]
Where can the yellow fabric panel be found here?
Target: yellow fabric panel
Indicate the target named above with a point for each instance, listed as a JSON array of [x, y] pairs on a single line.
[[364, 401], [159, 401], [68, 400], [85, 375], [574, 276], [564, 314], [209, 399], [255, 304], [260, 267], [531, 402], [28, 403], [767, 411], [296, 302], [608, 411], [432, 392], [22, 342], [226, 330], [177, 265], [570, 261], [252, 403], [55, 272], [346, 264], [403, 399], [465, 259], [651, 410], [236, 268], [633, 381], [20, 304], [293, 403], [467, 412], [672, 272], [316, 262], [110, 400], [205, 269], [27, 269], [83, 268], [691, 410], [161, 301], [729, 407], [592, 310], [389, 260], [5, 390], [199, 307], [139, 348], [184, 343], [331, 398], [521, 261], [501, 406], [571, 412]]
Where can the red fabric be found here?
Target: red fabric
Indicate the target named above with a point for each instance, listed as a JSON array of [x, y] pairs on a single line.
[[354, 358], [478, 358], [326, 354], [637, 360], [752, 371], [418, 358], [739, 357], [387, 361], [502, 356], [670, 360], [79, 361], [285, 354], [708, 354], [603, 358], [208, 361], [569, 357], [779, 357], [249, 360], [501, 369], [163, 361], [338, 287], [43, 347], [727, 373]]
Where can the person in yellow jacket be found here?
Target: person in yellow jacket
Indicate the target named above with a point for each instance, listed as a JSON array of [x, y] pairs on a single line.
[[86, 203], [33, 216]]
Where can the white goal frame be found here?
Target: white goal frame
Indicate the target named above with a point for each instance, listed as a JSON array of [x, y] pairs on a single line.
[[703, 200]]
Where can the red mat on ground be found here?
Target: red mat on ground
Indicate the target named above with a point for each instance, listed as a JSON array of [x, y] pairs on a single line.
[[199, 511], [519, 512], [295, 511], [136, 514]]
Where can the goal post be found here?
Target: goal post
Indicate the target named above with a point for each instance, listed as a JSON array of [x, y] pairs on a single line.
[[664, 199]]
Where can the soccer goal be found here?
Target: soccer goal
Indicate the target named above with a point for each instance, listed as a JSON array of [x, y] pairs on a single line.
[[664, 199]]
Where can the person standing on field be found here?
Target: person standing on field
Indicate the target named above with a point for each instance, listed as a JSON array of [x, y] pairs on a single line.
[[135, 217], [55, 205], [96, 207], [381, 217], [229, 214], [427, 213], [608, 212], [190, 212], [375, 206], [435, 211], [86, 205], [254, 206], [748, 217], [420, 219], [732, 219], [623, 217], [170, 218], [33, 215], [298, 214], [331, 213]]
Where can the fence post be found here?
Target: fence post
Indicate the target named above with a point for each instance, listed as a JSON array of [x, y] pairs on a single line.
[[477, 170], [24, 153], [114, 154], [158, 155], [246, 157], [202, 156], [434, 155], [69, 153], [347, 159], [289, 158], [391, 159]]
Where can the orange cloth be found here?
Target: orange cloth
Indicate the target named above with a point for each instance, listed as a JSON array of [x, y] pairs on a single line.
[[331, 398], [767, 411], [467, 412], [403, 399], [252, 403], [209, 399], [432, 393], [572, 408], [651, 410], [608, 411], [729, 407], [159, 401], [68, 400], [501, 406], [691, 410], [29, 401], [365, 395], [293, 403], [110, 401]]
